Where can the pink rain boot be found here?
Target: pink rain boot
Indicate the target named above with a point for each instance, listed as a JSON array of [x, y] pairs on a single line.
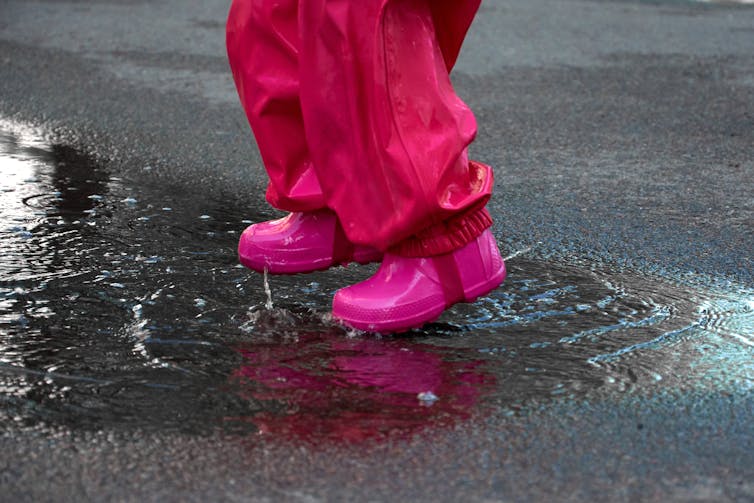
[[409, 292], [300, 242]]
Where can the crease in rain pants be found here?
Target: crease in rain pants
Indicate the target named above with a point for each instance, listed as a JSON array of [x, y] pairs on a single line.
[[352, 108]]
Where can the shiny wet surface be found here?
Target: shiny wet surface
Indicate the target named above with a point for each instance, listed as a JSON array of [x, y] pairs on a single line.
[[122, 306]]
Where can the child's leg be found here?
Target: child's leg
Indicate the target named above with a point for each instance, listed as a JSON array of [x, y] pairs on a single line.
[[386, 131], [263, 49]]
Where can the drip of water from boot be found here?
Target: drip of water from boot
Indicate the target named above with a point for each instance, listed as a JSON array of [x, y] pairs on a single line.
[[268, 304]]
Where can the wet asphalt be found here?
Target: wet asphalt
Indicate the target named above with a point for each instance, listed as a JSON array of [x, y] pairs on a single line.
[[622, 135]]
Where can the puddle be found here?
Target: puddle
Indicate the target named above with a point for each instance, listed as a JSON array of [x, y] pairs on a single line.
[[122, 306]]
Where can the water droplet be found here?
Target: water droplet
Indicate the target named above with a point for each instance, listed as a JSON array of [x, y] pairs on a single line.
[[24, 234], [352, 333], [427, 397]]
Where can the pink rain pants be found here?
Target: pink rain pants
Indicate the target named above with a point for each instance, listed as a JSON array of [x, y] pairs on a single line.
[[353, 110]]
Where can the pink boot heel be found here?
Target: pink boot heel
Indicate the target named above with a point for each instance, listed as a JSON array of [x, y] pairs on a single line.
[[300, 242], [409, 292]]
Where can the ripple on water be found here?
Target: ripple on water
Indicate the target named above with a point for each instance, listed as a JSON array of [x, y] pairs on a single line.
[[122, 305]]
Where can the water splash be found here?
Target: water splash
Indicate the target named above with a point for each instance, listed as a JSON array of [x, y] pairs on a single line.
[[518, 253]]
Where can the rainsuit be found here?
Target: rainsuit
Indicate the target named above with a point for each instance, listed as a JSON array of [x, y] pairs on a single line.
[[352, 108]]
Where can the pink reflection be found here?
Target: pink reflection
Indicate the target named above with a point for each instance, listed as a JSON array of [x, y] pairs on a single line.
[[328, 387]]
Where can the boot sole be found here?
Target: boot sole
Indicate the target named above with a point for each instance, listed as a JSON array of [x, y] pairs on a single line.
[[278, 264]]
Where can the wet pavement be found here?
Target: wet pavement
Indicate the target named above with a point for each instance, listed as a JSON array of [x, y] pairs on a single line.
[[139, 361]]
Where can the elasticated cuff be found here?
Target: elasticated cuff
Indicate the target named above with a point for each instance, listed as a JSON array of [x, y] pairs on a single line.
[[447, 236]]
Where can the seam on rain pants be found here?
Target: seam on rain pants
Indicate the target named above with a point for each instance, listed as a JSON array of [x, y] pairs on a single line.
[[352, 108]]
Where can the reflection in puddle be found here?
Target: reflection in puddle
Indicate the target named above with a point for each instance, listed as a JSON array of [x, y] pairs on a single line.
[[351, 389], [122, 305]]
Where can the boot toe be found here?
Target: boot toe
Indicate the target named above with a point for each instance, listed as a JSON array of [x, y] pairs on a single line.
[[403, 294], [298, 243], [406, 292], [384, 314]]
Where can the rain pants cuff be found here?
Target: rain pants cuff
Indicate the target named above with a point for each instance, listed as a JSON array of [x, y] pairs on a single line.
[[446, 236]]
